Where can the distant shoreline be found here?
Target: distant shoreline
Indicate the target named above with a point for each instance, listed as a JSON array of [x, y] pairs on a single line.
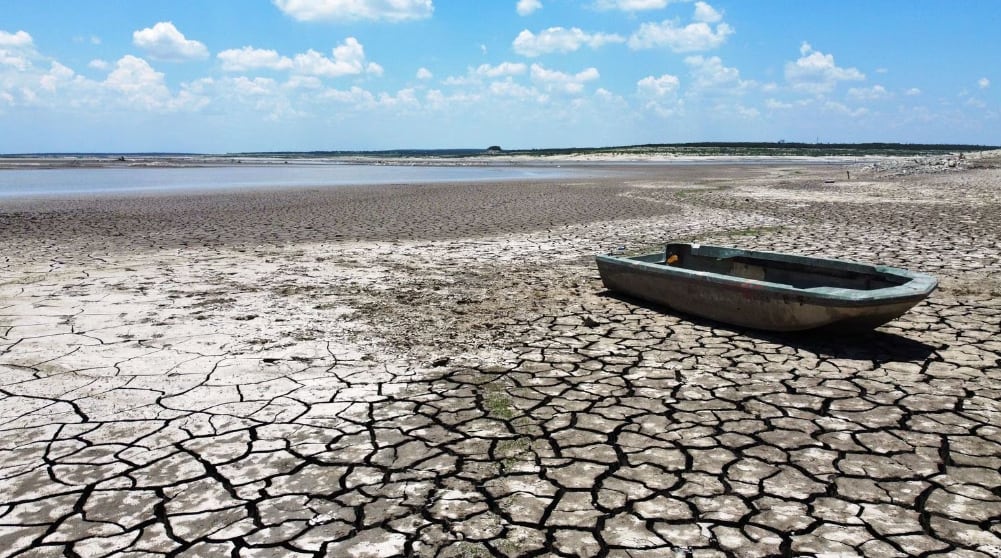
[[497, 153], [500, 161]]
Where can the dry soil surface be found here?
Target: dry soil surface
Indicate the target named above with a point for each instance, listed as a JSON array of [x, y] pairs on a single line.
[[436, 370]]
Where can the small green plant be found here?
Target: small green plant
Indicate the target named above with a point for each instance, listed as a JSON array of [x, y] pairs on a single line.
[[510, 452], [497, 402]]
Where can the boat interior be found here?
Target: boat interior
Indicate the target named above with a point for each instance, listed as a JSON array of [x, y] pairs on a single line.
[[800, 273]]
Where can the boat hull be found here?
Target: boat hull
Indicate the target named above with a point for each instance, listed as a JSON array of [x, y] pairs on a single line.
[[761, 304]]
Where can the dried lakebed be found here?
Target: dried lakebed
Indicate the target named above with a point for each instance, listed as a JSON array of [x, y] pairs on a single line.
[[442, 381]]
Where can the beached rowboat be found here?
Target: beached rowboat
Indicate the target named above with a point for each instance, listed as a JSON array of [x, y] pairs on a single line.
[[767, 290]]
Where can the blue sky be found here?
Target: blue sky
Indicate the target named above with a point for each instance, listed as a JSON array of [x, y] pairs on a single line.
[[259, 75]]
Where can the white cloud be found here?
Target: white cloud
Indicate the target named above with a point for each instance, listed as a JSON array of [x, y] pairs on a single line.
[[874, 93], [164, 42], [816, 72], [559, 39], [710, 73], [21, 39], [692, 37], [839, 108], [303, 82], [348, 10], [348, 59], [16, 49], [775, 104], [502, 69], [553, 80], [253, 86], [706, 13], [526, 7], [656, 87], [424, 73], [696, 36], [511, 89], [353, 96], [659, 94], [56, 75], [476, 75], [249, 58], [984, 83], [98, 64], [138, 81], [631, 5], [13, 60], [912, 92]]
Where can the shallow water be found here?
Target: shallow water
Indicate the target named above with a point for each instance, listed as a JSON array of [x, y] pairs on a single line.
[[49, 182]]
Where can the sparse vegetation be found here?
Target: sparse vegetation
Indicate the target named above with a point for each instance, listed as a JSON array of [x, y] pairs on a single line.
[[497, 402]]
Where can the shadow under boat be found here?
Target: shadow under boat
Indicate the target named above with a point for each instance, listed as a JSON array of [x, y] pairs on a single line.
[[872, 344]]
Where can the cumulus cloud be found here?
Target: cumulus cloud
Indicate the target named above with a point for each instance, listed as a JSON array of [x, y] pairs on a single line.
[[553, 80], [164, 42], [692, 37], [839, 108], [131, 84], [20, 39], [478, 74], [775, 104], [659, 94], [558, 39], [250, 58], [984, 83], [912, 92], [696, 36], [347, 58], [253, 86], [817, 72], [502, 69], [710, 73], [706, 13], [656, 87], [349, 10], [874, 93], [15, 49], [134, 77], [511, 89], [56, 75], [631, 5], [526, 7], [314, 63], [424, 73]]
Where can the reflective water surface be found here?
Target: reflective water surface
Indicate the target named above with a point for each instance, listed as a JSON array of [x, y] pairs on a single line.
[[69, 181]]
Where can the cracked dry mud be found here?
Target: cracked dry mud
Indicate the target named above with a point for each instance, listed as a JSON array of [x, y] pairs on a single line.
[[228, 377]]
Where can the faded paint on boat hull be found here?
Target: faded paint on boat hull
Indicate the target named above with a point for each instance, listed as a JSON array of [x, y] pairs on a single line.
[[759, 304]]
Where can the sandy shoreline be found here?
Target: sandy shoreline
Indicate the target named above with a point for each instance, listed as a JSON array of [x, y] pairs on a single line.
[[435, 370], [501, 160]]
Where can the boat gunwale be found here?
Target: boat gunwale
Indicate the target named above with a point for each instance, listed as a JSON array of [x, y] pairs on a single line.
[[917, 286]]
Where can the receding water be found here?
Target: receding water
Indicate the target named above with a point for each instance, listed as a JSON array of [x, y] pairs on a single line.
[[52, 182]]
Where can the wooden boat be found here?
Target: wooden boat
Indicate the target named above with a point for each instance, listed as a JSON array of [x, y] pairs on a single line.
[[767, 290]]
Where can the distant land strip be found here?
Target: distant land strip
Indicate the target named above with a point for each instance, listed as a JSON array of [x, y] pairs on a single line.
[[731, 149]]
